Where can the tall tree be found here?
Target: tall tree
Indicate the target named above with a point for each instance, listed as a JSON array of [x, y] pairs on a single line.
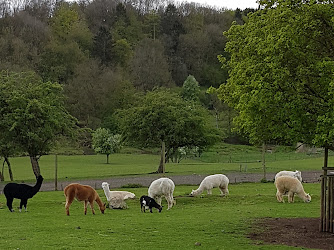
[[281, 73], [102, 45], [32, 114], [164, 118]]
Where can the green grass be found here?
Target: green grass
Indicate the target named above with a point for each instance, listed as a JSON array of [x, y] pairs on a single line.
[[95, 167], [229, 153], [215, 222]]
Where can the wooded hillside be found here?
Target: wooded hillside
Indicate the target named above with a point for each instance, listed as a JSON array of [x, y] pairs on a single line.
[[103, 52]]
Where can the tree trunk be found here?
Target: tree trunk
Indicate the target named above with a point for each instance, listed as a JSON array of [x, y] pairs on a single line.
[[107, 158], [2, 178], [9, 169], [161, 168], [35, 166], [264, 161]]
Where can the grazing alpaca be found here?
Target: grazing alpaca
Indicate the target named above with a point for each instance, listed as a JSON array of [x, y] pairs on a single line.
[[22, 192], [82, 193], [290, 186], [116, 199], [210, 182], [162, 187], [147, 202]]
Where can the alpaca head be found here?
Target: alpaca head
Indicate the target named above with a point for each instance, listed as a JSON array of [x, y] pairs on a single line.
[[307, 198], [105, 185], [193, 193], [102, 208]]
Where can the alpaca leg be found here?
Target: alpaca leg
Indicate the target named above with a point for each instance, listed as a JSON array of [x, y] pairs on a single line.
[[67, 206], [10, 204], [290, 197], [91, 203], [23, 203], [85, 207], [209, 191], [170, 202], [223, 191], [279, 197]]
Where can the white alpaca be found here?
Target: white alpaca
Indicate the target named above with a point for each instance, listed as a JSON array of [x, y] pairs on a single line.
[[162, 187], [116, 199], [213, 181], [296, 174], [290, 186]]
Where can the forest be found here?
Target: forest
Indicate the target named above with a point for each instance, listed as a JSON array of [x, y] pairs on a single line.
[[103, 52], [164, 74]]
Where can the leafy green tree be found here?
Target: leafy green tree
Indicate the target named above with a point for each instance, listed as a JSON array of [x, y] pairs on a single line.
[[104, 142], [190, 89], [164, 118], [281, 73], [122, 53], [32, 114]]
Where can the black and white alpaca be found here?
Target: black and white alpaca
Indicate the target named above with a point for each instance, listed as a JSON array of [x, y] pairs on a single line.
[[146, 202], [22, 192]]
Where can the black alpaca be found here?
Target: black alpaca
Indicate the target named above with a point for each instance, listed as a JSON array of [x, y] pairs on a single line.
[[22, 192], [147, 202]]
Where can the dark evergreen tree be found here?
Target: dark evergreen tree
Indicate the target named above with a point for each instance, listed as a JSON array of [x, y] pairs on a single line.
[[102, 45]]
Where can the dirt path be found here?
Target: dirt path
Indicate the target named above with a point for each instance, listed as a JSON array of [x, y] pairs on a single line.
[[308, 176]]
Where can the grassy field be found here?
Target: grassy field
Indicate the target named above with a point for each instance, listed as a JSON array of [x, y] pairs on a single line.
[[94, 166], [215, 222]]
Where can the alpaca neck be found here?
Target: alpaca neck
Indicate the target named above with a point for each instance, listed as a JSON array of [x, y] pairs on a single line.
[[107, 192], [36, 188], [99, 201], [198, 191]]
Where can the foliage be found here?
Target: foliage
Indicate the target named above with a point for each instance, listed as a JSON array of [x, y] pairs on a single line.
[[94, 48], [281, 73], [190, 89], [104, 142], [32, 113], [163, 116], [155, 73]]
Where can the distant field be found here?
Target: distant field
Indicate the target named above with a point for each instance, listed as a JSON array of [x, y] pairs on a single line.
[[94, 166], [215, 222]]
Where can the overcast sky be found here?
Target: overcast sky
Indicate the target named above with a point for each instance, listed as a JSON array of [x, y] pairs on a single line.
[[230, 4]]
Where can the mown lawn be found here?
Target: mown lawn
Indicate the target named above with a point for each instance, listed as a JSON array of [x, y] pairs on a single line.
[[215, 222], [95, 167]]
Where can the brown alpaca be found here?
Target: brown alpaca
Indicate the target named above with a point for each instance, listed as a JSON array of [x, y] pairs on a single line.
[[82, 193]]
